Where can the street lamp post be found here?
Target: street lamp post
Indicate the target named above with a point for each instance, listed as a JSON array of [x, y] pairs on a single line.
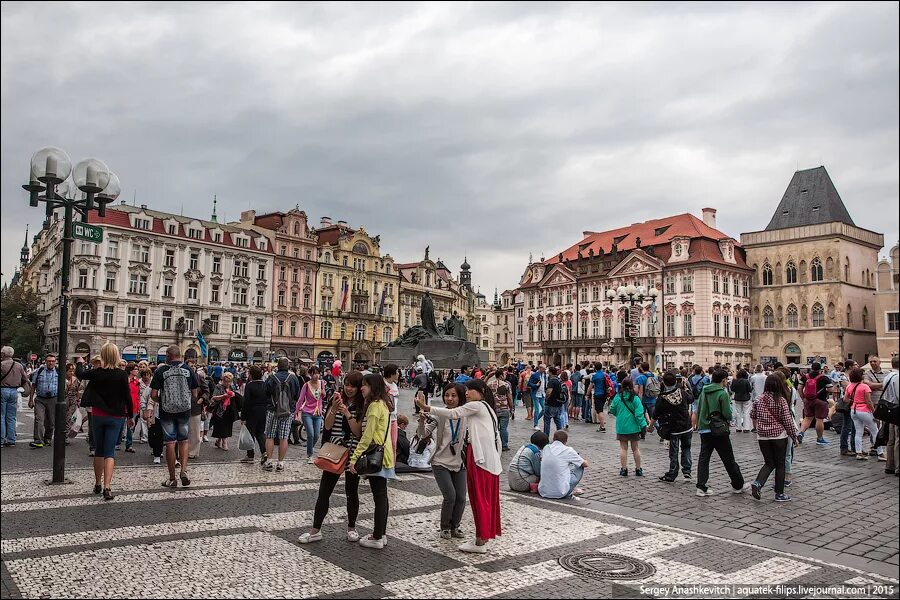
[[51, 167], [630, 295]]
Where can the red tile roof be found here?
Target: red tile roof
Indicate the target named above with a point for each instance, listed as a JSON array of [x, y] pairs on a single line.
[[657, 233], [330, 235], [118, 216]]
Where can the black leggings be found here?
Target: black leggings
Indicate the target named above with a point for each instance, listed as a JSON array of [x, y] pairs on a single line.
[[379, 494], [773, 452], [326, 487], [256, 424]]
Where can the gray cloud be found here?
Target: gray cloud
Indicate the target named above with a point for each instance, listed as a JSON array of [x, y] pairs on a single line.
[[487, 130]]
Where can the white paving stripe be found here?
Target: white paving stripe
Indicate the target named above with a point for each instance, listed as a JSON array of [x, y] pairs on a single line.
[[656, 542], [772, 571], [471, 582], [256, 565], [179, 494], [400, 500], [823, 563], [525, 529]]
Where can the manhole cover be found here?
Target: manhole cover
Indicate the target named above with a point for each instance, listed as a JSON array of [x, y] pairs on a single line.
[[604, 565]]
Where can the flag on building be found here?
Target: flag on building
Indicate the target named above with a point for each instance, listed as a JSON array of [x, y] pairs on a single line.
[[201, 341], [383, 299], [345, 293]]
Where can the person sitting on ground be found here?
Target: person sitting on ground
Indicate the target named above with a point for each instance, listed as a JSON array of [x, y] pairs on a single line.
[[561, 469], [525, 467], [402, 441]]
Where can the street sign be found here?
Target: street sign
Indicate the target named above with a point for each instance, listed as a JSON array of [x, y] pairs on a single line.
[[88, 233]]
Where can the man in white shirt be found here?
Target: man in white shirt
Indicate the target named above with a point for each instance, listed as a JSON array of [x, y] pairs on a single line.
[[757, 383], [561, 469]]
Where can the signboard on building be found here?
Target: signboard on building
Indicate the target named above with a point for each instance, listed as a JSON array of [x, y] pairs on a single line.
[[237, 356]]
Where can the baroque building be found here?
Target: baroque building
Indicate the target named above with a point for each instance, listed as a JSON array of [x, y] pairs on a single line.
[[155, 280], [813, 278], [505, 327], [357, 300], [294, 281], [701, 315]]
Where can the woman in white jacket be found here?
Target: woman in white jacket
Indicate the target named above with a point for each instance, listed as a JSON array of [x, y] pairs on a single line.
[[483, 466]]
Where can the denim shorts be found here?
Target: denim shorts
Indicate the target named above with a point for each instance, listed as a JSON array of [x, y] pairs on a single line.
[[175, 426], [107, 431]]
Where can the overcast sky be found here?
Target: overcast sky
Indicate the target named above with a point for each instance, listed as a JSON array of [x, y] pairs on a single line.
[[487, 130]]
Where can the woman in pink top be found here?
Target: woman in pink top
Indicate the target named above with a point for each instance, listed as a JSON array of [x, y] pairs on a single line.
[[309, 410], [861, 409]]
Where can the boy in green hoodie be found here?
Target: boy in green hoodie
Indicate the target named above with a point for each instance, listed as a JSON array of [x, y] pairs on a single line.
[[715, 399]]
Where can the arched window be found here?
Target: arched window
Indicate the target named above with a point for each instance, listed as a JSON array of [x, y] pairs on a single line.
[[816, 272], [325, 332], [361, 248], [296, 228], [387, 335], [849, 316], [793, 317], [360, 332], [768, 318], [818, 315], [343, 330], [327, 258], [767, 274], [846, 269], [865, 317], [790, 273]]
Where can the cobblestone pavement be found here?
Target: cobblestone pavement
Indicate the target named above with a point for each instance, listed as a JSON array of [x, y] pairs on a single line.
[[234, 530]]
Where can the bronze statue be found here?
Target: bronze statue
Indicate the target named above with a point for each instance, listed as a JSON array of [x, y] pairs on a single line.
[[427, 313]]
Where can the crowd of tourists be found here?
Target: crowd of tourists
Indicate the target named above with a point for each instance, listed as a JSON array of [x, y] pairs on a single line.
[[350, 424]]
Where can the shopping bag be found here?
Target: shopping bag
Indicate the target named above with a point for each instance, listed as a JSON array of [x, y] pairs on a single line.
[[76, 421], [245, 439]]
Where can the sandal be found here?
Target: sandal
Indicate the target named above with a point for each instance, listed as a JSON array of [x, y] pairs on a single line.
[[184, 479], [107, 494], [170, 483], [98, 488]]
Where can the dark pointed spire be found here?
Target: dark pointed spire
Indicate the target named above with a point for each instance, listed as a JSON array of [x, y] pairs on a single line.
[[215, 200]]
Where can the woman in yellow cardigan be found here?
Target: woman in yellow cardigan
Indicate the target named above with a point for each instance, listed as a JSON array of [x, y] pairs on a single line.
[[376, 428]]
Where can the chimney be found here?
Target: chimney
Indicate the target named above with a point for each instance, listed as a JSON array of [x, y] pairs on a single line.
[[709, 217], [248, 216], [325, 222], [342, 223], [143, 207]]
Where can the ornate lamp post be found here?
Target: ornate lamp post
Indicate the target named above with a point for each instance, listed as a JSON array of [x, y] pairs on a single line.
[[50, 171], [630, 295]]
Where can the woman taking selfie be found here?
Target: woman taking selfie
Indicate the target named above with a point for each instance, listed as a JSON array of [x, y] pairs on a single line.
[[447, 462], [483, 465], [375, 432], [344, 422], [309, 410]]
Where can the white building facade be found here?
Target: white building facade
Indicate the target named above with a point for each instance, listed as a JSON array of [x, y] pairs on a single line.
[[155, 280]]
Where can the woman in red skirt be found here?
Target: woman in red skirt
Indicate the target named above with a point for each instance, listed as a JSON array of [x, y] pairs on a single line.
[[483, 464]]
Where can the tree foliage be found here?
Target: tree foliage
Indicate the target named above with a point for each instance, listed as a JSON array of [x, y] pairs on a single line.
[[19, 320]]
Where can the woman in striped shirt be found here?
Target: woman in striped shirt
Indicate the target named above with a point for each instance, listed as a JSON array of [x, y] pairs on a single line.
[[344, 422]]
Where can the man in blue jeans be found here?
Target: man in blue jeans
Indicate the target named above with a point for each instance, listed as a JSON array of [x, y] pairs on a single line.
[[538, 386], [554, 405], [12, 377]]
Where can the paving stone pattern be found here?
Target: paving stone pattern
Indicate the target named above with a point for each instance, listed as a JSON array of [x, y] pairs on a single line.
[[237, 526]]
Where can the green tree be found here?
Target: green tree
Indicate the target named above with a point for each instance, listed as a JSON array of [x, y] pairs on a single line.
[[19, 320]]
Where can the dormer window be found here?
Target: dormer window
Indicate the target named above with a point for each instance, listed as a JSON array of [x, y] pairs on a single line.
[[142, 224], [195, 234], [172, 229], [217, 237], [262, 244], [242, 242]]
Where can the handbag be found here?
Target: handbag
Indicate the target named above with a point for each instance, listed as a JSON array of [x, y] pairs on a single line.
[[332, 458], [371, 461]]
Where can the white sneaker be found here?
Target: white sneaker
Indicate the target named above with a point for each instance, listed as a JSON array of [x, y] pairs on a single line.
[[537, 429], [308, 538], [744, 490], [370, 542], [311, 460], [473, 548], [156, 460], [279, 466], [206, 439], [708, 492], [353, 535]]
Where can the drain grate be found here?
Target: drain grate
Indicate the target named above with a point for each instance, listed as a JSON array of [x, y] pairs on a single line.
[[605, 565]]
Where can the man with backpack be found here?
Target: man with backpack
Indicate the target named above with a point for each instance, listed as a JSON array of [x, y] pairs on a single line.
[[555, 402], [815, 403], [175, 388], [648, 384], [283, 390], [599, 391], [713, 417]]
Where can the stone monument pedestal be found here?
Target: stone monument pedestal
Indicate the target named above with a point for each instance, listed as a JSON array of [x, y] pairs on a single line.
[[444, 353]]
